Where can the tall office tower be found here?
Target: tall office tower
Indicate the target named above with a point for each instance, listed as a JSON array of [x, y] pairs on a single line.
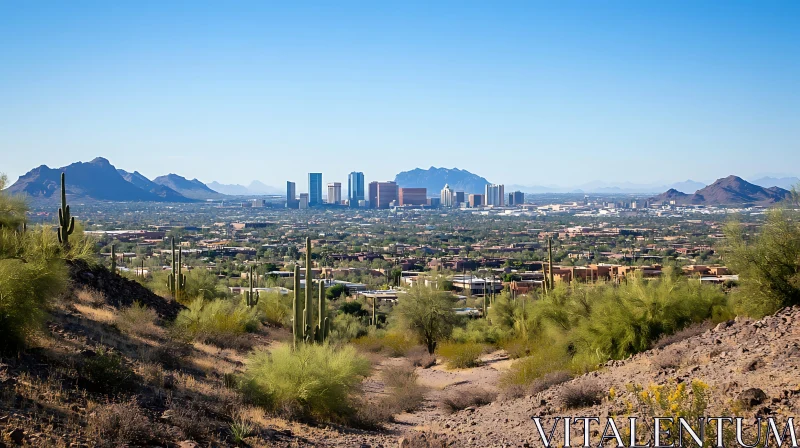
[[475, 200], [446, 197], [386, 194], [373, 194], [314, 189], [495, 195], [516, 198], [334, 193], [291, 195], [355, 188], [459, 199], [303, 202], [413, 196]]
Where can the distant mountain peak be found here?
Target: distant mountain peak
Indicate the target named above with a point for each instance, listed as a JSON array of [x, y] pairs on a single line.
[[193, 189], [434, 179], [731, 190]]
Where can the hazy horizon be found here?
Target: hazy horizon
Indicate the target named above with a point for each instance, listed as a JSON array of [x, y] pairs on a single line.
[[528, 93]]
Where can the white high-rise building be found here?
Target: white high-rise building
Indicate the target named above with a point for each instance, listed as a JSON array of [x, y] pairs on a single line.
[[495, 195], [447, 196], [334, 193]]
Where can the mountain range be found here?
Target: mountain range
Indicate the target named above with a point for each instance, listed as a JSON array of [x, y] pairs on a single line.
[[434, 179], [100, 180], [731, 190]]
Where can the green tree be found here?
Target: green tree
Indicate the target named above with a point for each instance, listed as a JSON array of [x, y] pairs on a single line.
[[768, 263], [336, 291], [428, 313]]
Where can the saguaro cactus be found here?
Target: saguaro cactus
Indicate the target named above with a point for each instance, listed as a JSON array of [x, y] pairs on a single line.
[[309, 281], [321, 314], [66, 223], [374, 321], [303, 328], [251, 297], [550, 261], [297, 310], [176, 281]]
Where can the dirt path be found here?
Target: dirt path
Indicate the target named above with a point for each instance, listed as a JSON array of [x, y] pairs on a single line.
[[442, 382]]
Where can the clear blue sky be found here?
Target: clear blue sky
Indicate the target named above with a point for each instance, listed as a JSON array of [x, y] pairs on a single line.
[[529, 93]]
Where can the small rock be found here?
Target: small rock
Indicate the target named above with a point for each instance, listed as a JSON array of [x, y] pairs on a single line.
[[187, 444], [752, 397], [403, 442]]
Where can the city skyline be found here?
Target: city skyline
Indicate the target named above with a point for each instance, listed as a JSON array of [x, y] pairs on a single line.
[[633, 90]]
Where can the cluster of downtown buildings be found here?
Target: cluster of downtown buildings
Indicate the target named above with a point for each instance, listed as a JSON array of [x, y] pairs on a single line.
[[388, 194]]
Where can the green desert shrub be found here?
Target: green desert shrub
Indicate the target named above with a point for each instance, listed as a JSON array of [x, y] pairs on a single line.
[[313, 381], [390, 343], [276, 308], [26, 290], [217, 321], [138, 319], [106, 371], [595, 323], [628, 319], [768, 263], [461, 355], [479, 331], [346, 327], [541, 361]]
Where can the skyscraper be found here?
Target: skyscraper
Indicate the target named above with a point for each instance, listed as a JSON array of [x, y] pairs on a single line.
[[355, 188], [458, 200], [314, 189], [516, 198], [476, 200], [291, 195], [382, 194], [413, 196], [373, 194], [334, 193], [495, 195], [446, 196]]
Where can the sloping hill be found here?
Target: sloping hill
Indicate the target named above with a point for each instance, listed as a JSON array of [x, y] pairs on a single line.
[[193, 189], [138, 179], [119, 291], [731, 190], [671, 195], [434, 179], [97, 180]]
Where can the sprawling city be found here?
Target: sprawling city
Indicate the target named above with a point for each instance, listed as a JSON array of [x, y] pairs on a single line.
[[580, 265]]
